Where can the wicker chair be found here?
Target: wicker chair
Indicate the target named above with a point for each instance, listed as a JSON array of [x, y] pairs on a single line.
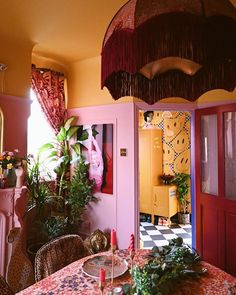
[[57, 254], [4, 287]]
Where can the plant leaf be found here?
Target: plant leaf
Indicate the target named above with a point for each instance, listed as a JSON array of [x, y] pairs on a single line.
[[68, 122], [52, 154], [71, 131], [83, 136], [62, 134], [46, 147], [76, 148]]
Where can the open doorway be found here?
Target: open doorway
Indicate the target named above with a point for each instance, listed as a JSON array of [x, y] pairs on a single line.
[[164, 150]]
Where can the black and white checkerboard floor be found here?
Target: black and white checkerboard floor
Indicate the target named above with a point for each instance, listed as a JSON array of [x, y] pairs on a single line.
[[159, 235]]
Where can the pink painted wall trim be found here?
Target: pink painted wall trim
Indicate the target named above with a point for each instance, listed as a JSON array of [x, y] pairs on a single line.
[[118, 210], [16, 111]]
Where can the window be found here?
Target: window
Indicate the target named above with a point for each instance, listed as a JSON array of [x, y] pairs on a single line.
[[39, 130]]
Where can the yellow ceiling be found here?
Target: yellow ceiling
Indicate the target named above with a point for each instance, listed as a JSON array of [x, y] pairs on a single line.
[[68, 30]]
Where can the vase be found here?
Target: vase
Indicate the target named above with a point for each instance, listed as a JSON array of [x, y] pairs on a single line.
[[10, 176], [20, 176], [184, 218]]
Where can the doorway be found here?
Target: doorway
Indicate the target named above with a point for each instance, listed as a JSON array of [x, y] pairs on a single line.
[[170, 131]]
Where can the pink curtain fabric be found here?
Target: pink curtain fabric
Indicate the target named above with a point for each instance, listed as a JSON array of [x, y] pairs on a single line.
[[48, 86]]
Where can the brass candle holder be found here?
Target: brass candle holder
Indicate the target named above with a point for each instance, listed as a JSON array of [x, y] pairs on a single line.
[[132, 254], [113, 248], [101, 287]]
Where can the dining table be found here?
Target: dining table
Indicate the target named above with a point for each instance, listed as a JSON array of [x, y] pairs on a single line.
[[82, 277]]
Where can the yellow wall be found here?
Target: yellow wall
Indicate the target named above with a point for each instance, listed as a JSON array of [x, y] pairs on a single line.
[[216, 96], [176, 135], [84, 85], [16, 80]]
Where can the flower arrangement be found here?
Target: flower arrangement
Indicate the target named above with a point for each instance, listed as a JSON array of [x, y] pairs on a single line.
[[9, 160]]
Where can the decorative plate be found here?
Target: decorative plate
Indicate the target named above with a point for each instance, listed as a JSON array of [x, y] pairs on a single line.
[[93, 265]]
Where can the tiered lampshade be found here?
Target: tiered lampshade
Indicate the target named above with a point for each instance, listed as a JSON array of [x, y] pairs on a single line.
[[154, 49]]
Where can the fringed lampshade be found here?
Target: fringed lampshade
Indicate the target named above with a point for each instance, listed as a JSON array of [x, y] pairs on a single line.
[[155, 49]]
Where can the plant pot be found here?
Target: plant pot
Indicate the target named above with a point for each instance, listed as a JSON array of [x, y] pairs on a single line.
[[184, 218]]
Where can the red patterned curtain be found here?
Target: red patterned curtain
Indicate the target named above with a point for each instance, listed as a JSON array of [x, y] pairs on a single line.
[[48, 86]]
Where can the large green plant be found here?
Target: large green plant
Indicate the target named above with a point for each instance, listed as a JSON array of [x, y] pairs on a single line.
[[181, 180], [61, 151], [80, 190], [66, 201], [38, 188]]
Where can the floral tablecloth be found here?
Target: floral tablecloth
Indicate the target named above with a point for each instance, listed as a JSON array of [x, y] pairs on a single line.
[[72, 280]]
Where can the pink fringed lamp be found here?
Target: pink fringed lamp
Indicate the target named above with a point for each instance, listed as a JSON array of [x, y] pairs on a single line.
[[154, 49]]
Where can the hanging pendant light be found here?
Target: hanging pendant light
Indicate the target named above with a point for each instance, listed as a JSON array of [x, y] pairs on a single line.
[[154, 49]]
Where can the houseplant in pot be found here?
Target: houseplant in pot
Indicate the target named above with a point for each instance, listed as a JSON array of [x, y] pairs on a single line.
[[71, 193], [67, 195], [181, 180]]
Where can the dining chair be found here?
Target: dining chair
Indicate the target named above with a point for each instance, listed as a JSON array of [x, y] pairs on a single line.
[[4, 287], [58, 253]]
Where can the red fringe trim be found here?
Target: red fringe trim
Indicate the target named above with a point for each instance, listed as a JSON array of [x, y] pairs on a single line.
[[173, 83], [175, 34]]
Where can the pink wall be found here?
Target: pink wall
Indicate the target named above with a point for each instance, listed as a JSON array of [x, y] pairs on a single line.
[[116, 211], [16, 111]]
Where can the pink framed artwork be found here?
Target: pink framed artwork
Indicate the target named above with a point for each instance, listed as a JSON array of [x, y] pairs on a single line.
[[97, 148]]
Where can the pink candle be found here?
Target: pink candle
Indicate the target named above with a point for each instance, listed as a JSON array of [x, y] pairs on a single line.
[[113, 238], [102, 275], [131, 245]]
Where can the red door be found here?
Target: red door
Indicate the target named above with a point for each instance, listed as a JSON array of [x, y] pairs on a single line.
[[216, 186]]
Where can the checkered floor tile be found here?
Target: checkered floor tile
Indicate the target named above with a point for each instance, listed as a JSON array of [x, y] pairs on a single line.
[[159, 235]]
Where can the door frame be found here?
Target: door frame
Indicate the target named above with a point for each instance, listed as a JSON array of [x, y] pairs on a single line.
[[181, 107]]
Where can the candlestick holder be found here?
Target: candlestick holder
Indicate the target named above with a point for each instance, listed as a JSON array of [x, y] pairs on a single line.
[[101, 287], [132, 254], [113, 248]]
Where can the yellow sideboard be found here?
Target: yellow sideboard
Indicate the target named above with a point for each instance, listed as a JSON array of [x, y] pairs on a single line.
[[165, 202]]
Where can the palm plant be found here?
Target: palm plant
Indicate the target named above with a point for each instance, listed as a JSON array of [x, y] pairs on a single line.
[[60, 151]]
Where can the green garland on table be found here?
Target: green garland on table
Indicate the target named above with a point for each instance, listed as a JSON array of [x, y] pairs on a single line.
[[167, 266]]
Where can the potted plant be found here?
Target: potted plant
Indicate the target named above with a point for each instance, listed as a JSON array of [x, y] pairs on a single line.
[[64, 200], [38, 195], [181, 180]]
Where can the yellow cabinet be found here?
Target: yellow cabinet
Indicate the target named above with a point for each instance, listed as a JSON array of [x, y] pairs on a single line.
[[165, 201], [150, 166]]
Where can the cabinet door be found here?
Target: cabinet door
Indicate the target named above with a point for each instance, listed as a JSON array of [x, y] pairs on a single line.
[[150, 166], [165, 201], [145, 171]]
